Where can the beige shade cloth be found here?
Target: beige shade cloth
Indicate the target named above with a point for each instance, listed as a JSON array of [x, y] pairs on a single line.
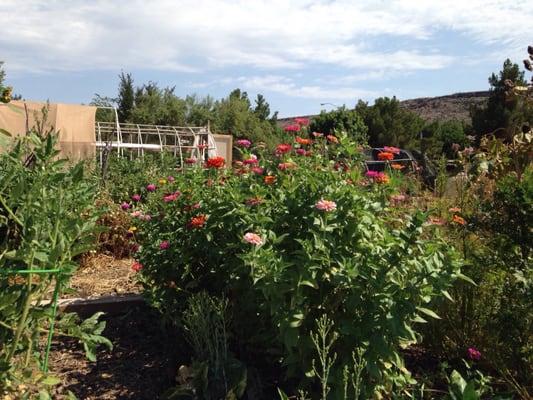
[[75, 124], [224, 145]]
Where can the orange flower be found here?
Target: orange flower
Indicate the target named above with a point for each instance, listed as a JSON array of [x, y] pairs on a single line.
[[197, 222], [382, 178], [385, 156], [397, 166], [458, 220], [270, 179], [454, 210], [332, 139], [303, 141], [215, 162]]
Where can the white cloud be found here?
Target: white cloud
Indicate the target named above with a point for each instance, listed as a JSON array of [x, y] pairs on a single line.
[[208, 36]]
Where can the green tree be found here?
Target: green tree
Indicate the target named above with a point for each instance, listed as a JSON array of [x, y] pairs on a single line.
[[2, 74], [502, 113], [262, 108], [389, 124], [126, 97], [340, 119], [199, 111]]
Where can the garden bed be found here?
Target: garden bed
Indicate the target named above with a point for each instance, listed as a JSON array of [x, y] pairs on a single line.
[[142, 364]]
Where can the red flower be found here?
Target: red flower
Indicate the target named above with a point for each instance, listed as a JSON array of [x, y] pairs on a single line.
[[197, 222], [283, 148], [302, 121], [270, 179], [332, 139], [215, 162], [136, 266], [292, 128]]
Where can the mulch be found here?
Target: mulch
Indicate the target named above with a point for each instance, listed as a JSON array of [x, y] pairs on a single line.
[[142, 364]]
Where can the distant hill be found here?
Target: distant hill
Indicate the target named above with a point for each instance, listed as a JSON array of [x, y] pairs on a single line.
[[453, 106]]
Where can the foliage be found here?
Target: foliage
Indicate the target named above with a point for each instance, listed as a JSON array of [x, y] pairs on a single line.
[[126, 97], [341, 119], [305, 242], [503, 114], [5, 91], [389, 124], [41, 233]]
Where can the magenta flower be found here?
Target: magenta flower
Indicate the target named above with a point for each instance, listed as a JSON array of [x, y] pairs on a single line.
[[292, 128], [258, 170], [190, 160], [326, 205], [164, 245], [170, 179], [171, 197], [251, 161], [473, 353], [151, 187], [244, 143], [391, 149], [125, 206], [372, 174], [253, 238], [136, 197], [300, 152]]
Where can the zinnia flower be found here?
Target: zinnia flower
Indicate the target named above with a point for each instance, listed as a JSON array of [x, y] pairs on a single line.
[[202, 146], [162, 181], [473, 353], [436, 221], [252, 160], [286, 165], [125, 206], [243, 143], [325, 205], [136, 266], [171, 197], [283, 148], [317, 134], [190, 160], [303, 141], [390, 149], [151, 187], [302, 121], [292, 128], [458, 220], [382, 178], [372, 174], [170, 179], [300, 152], [136, 214], [398, 198], [146, 217], [253, 238], [270, 179], [258, 170], [215, 162], [385, 156], [454, 210], [332, 139], [197, 222], [397, 166], [165, 244], [136, 197]]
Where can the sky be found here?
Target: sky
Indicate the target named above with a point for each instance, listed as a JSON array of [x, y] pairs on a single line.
[[303, 56]]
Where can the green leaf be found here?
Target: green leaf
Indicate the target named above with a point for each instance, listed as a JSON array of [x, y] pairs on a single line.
[[51, 380], [428, 312], [282, 395]]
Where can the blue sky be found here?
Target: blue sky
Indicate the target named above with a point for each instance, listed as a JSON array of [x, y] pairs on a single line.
[[297, 53]]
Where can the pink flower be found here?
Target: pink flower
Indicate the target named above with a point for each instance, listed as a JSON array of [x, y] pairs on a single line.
[[252, 160], [467, 151], [372, 174], [136, 214], [151, 187], [317, 134], [164, 245], [190, 160], [286, 165], [146, 217], [171, 197], [302, 121], [326, 205], [137, 266], [244, 143], [238, 163], [300, 152], [436, 221], [253, 238], [390, 149], [292, 128], [136, 197], [258, 170], [473, 353], [283, 148], [170, 179], [125, 206]]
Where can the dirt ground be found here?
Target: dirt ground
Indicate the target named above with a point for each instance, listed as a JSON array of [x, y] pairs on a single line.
[[142, 364]]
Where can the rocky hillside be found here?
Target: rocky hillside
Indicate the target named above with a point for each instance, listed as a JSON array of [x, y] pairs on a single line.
[[453, 106]]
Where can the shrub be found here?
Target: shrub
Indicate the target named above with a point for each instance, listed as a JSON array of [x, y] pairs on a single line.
[[289, 247]]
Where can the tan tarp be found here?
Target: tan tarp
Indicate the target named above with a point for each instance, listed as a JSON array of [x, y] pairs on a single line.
[[224, 145], [75, 124]]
